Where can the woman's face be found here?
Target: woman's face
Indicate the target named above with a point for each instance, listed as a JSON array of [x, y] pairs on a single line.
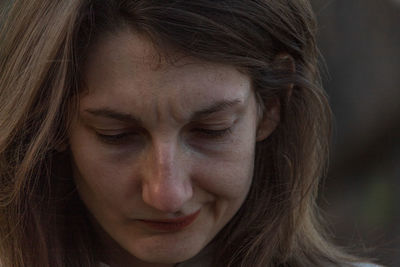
[[162, 154]]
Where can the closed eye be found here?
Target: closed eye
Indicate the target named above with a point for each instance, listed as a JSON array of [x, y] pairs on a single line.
[[211, 133], [116, 139]]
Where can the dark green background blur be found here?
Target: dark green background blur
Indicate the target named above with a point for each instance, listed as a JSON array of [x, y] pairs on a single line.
[[360, 40]]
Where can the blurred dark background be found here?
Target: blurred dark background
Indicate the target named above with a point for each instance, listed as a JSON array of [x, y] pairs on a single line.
[[360, 41]]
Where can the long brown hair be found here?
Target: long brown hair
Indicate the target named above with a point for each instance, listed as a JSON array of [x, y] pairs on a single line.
[[43, 44]]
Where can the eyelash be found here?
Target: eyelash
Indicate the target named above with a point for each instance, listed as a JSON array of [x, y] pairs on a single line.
[[214, 133], [116, 139]]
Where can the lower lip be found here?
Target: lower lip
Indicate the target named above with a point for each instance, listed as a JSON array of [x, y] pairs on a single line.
[[172, 226]]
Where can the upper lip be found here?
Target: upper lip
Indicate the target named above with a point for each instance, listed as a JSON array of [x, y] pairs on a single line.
[[174, 220]]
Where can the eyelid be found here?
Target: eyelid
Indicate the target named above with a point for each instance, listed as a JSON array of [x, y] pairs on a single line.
[[117, 139], [111, 132], [117, 136], [216, 121], [215, 132], [215, 124], [117, 130]]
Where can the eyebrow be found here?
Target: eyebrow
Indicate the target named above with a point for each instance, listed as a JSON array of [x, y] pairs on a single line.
[[113, 114], [218, 106]]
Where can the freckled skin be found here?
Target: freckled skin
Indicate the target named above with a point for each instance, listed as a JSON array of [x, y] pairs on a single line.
[[167, 166]]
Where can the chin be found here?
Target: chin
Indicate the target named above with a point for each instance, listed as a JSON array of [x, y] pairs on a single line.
[[168, 254]]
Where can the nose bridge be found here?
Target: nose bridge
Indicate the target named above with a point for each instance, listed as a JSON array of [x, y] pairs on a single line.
[[164, 157], [166, 186]]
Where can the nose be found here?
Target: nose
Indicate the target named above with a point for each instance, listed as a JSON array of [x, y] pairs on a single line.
[[166, 184]]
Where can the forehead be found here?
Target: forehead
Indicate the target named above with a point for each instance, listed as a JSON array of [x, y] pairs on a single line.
[[126, 71]]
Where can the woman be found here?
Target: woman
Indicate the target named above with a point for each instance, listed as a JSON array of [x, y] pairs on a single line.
[[155, 133]]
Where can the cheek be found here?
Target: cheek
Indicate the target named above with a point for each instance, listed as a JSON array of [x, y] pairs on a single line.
[[226, 184], [100, 181], [99, 175], [229, 175]]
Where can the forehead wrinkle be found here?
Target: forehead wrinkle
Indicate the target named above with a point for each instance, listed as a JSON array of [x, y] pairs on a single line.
[[169, 109], [178, 116], [182, 111]]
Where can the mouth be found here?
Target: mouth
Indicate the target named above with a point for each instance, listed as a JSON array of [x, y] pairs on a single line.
[[171, 225]]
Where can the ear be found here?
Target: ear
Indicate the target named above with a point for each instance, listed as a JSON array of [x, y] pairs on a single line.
[[61, 147], [269, 120], [270, 116], [285, 62]]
